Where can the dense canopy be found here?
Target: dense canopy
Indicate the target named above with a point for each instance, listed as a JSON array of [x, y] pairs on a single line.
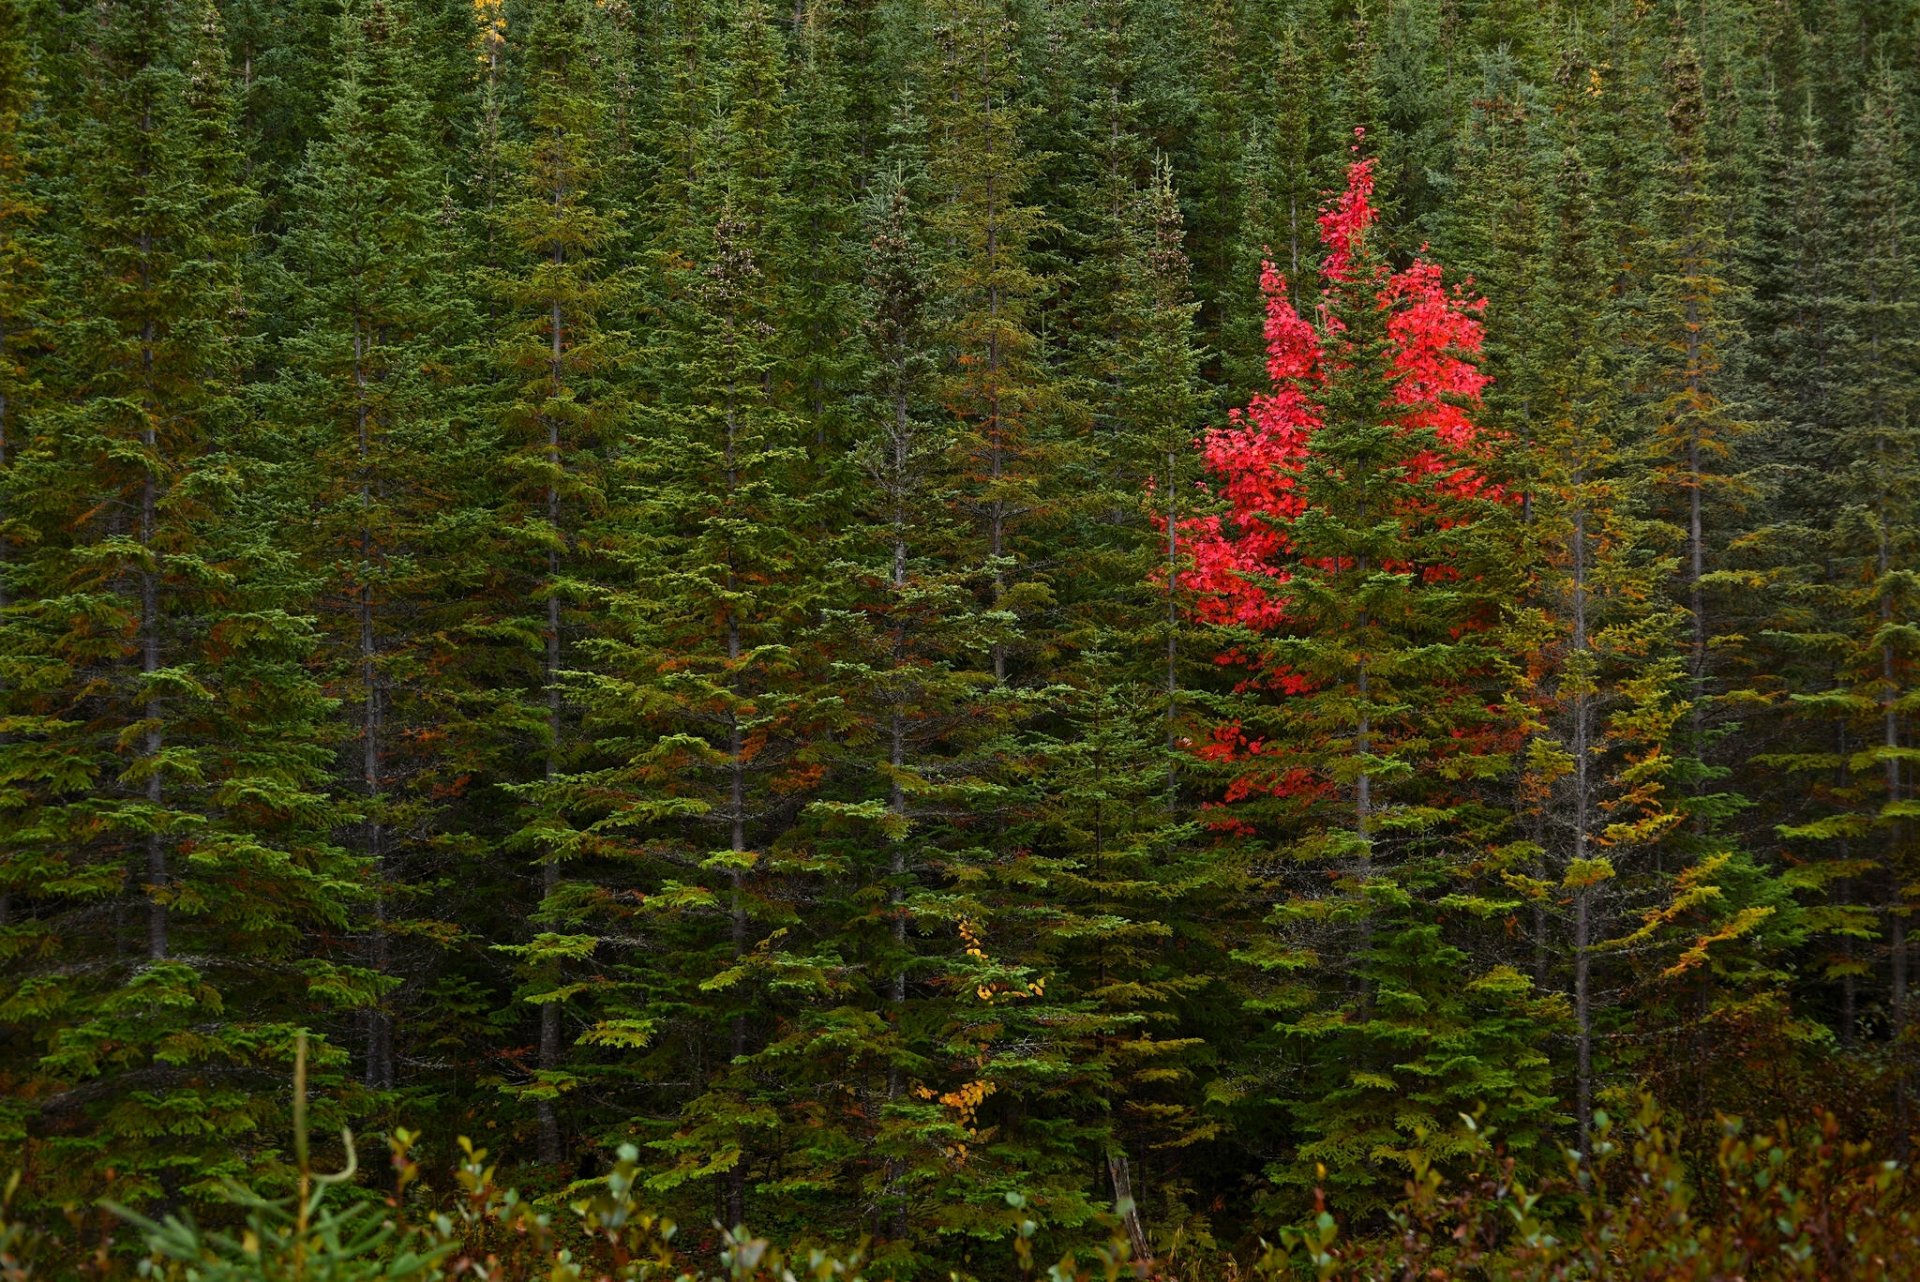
[[945, 612]]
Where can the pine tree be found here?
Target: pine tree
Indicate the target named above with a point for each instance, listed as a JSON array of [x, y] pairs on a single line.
[[369, 399], [1601, 679], [166, 751], [1363, 558], [557, 363], [1727, 916]]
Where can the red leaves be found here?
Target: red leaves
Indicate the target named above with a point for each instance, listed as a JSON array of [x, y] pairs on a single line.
[[1241, 561], [1345, 225]]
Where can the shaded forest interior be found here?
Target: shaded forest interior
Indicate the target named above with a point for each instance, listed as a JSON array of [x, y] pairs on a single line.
[[901, 601]]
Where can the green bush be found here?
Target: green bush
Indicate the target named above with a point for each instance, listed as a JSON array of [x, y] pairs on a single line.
[[1775, 1205]]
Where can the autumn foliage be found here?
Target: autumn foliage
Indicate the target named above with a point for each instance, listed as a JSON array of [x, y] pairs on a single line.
[[1243, 562]]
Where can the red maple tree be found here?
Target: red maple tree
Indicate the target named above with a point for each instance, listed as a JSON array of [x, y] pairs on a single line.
[[1242, 563]]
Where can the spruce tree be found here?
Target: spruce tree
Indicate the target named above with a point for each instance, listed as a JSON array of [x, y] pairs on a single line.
[[1877, 406], [705, 676], [978, 170], [819, 371], [902, 620], [1726, 916], [1217, 169], [1363, 558], [22, 302], [1858, 610], [21, 279], [369, 400], [166, 751], [1118, 816], [1601, 691], [557, 368]]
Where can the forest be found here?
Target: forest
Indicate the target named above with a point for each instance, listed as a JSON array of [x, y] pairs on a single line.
[[961, 630]]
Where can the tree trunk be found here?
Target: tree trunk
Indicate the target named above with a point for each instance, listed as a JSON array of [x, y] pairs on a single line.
[[551, 1149], [379, 1067], [157, 872], [1129, 1213]]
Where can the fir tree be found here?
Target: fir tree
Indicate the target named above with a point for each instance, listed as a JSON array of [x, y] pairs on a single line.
[[556, 361], [371, 380], [166, 751], [1601, 688], [1363, 557]]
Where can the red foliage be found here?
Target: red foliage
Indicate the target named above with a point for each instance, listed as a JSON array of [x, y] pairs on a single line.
[[1239, 562]]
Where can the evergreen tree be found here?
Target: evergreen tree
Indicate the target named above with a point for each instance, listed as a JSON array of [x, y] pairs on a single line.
[[904, 625], [1601, 687], [557, 364], [166, 751], [1859, 608], [1726, 916], [817, 224], [1363, 559], [1218, 165], [978, 171], [369, 398], [22, 301], [1118, 818], [705, 671], [283, 78], [21, 281]]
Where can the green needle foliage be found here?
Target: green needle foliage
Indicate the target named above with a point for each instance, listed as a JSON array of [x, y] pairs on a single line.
[[972, 632]]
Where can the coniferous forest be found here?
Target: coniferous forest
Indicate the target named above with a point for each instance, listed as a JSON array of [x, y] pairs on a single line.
[[906, 621]]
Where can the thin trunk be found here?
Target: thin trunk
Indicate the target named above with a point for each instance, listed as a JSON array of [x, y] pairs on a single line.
[[157, 873], [548, 1115], [1896, 840], [737, 807], [1583, 1016], [1363, 786], [996, 428], [896, 728], [1696, 550], [1843, 893], [379, 1069], [896, 791], [1173, 640], [1582, 825], [1363, 820], [1293, 233], [6, 896], [1122, 1178], [1696, 601], [149, 664], [1849, 984], [737, 843]]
